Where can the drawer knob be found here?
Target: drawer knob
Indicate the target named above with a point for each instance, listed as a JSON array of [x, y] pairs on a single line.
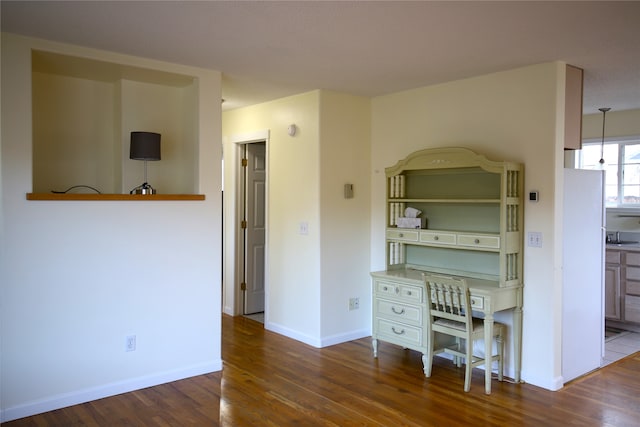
[[393, 328], [401, 234], [396, 311], [477, 241], [409, 293], [436, 238], [385, 288]]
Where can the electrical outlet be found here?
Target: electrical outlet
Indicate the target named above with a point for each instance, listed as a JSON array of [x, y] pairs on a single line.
[[130, 343], [534, 239], [354, 303]]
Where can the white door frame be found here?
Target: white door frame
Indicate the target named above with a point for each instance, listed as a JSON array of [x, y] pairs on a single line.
[[233, 268]]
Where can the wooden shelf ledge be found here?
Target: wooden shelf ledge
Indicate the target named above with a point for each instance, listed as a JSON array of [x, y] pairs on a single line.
[[111, 197]]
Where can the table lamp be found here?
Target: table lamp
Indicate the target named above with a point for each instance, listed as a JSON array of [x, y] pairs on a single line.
[[144, 146]]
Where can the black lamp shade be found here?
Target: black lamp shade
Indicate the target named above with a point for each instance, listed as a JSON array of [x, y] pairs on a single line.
[[144, 146]]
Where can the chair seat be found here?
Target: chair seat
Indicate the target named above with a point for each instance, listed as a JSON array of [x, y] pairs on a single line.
[[454, 324]]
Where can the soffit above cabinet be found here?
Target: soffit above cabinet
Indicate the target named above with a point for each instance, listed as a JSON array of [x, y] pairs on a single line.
[[91, 69]]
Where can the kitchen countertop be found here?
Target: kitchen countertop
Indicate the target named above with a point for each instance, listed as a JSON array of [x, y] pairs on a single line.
[[626, 246]]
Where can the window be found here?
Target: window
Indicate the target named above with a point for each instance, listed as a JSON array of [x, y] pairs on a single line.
[[622, 169]]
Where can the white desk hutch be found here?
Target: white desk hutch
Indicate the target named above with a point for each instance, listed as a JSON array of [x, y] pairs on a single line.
[[474, 220]]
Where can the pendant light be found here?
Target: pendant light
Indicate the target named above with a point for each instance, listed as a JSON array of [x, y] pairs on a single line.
[[604, 114]]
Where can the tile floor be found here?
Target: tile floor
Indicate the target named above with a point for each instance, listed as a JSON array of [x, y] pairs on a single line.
[[621, 345], [258, 317]]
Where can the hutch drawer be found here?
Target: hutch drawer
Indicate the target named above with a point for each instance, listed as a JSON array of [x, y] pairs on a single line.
[[438, 237], [477, 303], [396, 311], [399, 333], [399, 291], [479, 241], [404, 234]]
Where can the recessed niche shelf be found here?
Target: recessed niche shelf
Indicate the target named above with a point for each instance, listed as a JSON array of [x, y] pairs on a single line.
[[115, 197]]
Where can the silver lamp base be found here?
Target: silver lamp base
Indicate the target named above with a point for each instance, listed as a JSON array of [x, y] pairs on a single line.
[[143, 189]]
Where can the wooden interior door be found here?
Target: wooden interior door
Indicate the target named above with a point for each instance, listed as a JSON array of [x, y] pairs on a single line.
[[255, 173]]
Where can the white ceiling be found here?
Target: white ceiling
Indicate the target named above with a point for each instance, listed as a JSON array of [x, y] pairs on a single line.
[[269, 49]]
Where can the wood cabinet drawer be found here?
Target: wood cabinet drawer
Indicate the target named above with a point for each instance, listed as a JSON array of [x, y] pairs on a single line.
[[398, 333], [612, 257], [632, 309], [479, 241], [400, 291], [394, 310], [633, 287], [438, 237], [632, 273], [406, 235], [632, 258]]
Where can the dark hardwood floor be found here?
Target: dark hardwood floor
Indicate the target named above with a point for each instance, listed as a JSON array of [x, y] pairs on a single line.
[[270, 380]]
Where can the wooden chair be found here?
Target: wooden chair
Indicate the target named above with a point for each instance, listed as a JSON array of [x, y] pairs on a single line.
[[449, 304]]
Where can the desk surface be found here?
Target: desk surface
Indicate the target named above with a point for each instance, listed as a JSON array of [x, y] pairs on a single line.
[[496, 298], [414, 275]]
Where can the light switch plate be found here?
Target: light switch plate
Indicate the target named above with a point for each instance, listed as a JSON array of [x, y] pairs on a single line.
[[534, 239], [303, 228]]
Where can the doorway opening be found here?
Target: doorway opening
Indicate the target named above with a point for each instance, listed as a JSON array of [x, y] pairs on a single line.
[[246, 216]]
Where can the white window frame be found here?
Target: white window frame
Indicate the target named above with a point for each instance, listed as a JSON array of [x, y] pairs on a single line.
[[621, 143]]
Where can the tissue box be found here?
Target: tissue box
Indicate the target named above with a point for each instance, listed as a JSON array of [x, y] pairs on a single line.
[[403, 222]]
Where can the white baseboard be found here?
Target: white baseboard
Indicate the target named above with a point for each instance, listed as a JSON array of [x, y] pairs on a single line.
[[551, 384], [106, 390], [290, 333], [314, 341], [348, 336]]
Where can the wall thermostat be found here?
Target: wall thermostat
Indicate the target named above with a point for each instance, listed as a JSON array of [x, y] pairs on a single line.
[[292, 129], [533, 196]]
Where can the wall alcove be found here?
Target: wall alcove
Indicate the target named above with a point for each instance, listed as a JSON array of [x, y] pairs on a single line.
[[83, 111]]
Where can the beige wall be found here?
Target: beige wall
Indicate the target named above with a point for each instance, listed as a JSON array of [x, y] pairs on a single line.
[[77, 277], [345, 157], [514, 115], [293, 260], [70, 146], [82, 126], [620, 125], [308, 276]]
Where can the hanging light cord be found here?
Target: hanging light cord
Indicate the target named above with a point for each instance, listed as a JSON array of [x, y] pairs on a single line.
[[604, 114]]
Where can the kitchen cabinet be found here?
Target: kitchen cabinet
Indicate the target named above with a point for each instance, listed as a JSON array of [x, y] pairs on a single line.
[[573, 108], [632, 287], [473, 210], [612, 294], [622, 287]]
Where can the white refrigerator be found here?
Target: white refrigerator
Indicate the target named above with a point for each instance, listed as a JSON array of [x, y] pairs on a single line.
[[583, 272]]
